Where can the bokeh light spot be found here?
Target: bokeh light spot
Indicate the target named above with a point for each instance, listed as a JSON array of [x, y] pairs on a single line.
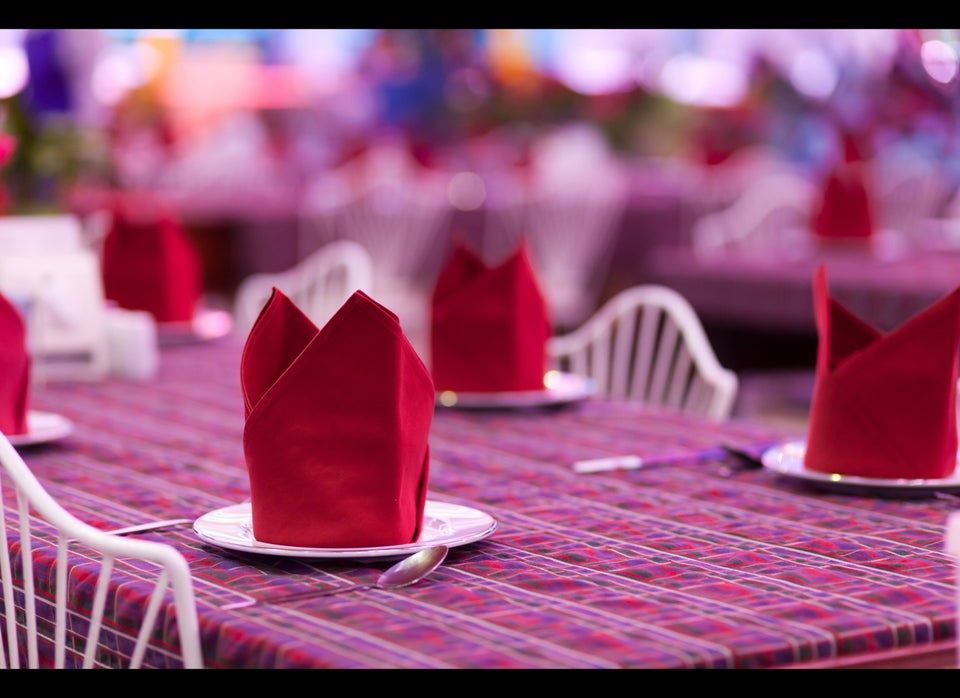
[[466, 191], [14, 70], [939, 60]]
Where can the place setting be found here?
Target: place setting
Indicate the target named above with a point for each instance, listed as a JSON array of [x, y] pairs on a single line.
[[489, 329], [151, 262], [42, 428], [883, 418], [22, 425], [324, 482]]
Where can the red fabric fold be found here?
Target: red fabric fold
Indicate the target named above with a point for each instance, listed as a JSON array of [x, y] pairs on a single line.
[[152, 265], [337, 427], [845, 207], [489, 326], [884, 405], [14, 370]]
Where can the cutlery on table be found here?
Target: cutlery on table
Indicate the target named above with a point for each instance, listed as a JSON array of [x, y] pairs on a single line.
[[151, 526], [747, 460], [404, 573], [635, 462]]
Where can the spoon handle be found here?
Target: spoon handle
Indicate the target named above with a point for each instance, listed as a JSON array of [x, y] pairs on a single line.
[[295, 596], [747, 460], [152, 526]]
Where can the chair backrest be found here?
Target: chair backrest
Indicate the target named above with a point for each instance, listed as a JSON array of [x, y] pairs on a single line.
[[63, 300], [773, 213], [719, 185], [907, 193], [647, 344], [44, 533], [319, 284], [41, 233], [570, 226], [399, 221], [400, 213]]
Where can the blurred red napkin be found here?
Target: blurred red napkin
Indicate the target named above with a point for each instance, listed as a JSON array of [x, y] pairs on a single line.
[[8, 146], [14, 370], [337, 425], [150, 263], [489, 326], [844, 209], [884, 405]]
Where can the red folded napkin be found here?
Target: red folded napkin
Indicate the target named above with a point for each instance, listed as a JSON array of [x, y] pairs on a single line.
[[337, 425], [8, 146], [14, 370], [884, 405], [489, 326], [151, 264], [844, 209]]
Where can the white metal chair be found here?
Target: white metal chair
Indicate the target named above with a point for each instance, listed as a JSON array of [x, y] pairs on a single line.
[[772, 214], [62, 296], [41, 233], [319, 284], [646, 344], [400, 212], [719, 185], [45, 527], [569, 215], [908, 189]]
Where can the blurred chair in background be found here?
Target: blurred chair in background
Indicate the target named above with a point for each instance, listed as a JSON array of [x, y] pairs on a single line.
[[908, 191], [721, 184], [319, 284], [48, 269], [771, 215], [569, 213], [646, 344], [942, 232], [41, 233], [399, 212], [50, 538]]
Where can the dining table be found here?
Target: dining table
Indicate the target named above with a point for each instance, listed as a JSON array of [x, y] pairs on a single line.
[[697, 559]]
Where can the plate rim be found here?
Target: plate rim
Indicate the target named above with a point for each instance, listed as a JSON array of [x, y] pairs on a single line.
[[172, 333], [513, 399], [348, 553], [771, 461], [32, 438]]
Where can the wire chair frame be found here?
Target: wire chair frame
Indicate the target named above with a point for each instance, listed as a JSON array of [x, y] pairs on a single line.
[[37, 513], [646, 344]]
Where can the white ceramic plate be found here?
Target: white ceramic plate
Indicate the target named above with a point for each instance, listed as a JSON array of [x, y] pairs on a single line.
[[787, 460], [206, 325], [443, 524], [560, 388], [42, 427]]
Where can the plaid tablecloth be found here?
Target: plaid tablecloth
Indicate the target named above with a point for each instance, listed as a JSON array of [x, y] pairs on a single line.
[[692, 564]]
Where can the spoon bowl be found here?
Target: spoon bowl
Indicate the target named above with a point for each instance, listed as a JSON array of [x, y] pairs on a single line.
[[413, 568], [407, 571]]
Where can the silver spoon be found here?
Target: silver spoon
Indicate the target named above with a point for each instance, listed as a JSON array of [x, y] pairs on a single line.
[[404, 573]]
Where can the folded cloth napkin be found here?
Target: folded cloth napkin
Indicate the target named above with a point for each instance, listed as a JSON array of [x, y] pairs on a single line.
[[151, 264], [14, 370], [489, 326], [884, 405], [844, 208], [337, 425]]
